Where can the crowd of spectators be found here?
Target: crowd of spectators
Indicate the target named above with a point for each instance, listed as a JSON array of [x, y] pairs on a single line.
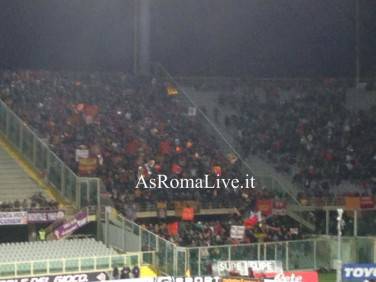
[[218, 232], [37, 202], [306, 131], [129, 125], [125, 273]]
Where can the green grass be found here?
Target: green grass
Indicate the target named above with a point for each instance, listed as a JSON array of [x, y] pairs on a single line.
[[327, 277]]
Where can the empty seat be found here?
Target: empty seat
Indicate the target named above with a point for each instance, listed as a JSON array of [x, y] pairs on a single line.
[[53, 250]]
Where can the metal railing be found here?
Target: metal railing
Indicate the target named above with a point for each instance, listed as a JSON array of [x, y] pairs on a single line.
[[80, 191], [313, 253], [166, 252], [73, 265], [300, 254]]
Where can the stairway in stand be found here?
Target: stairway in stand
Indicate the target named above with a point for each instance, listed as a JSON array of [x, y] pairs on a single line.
[[15, 183]]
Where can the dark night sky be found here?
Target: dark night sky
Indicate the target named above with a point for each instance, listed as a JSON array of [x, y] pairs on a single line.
[[218, 37]]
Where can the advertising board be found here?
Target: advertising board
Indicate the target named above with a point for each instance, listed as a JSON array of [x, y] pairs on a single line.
[[354, 272]]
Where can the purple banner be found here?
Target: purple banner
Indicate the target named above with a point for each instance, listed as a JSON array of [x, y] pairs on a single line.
[[80, 219], [47, 216]]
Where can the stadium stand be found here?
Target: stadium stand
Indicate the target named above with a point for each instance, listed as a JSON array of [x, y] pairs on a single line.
[[110, 125], [74, 115], [305, 130], [124, 136], [78, 111]]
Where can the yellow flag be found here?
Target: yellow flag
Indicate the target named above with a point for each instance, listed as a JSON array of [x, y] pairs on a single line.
[[188, 273], [171, 90]]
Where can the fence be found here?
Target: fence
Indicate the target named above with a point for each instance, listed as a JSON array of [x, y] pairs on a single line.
[[73, 265], [169, 258], [314, 253], [301, 254], [357, 221], [80, 191]]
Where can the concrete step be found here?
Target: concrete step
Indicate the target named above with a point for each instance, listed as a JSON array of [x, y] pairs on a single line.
[[15, 183]]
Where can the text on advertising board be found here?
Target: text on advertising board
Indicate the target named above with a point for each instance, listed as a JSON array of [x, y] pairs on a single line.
[[241, 268], [295, 276], [80, 277], [358, 272]]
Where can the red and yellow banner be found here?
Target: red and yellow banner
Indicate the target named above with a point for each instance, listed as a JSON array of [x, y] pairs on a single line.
[[87, 166], [265, 206], [171, 90], [352, 202]]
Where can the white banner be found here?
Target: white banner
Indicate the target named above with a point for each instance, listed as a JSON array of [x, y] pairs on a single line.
[[242, 267], [82, 154], [192, 111], [13, 218], [237, 231]]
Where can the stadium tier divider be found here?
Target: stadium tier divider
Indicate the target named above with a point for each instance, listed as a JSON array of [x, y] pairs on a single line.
[[271, 181]]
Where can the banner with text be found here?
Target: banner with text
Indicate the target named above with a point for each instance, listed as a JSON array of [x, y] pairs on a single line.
[[279, 208], [295, 276], [265, 206], [79, 220], [242, 267], [13, 218], [44, 216], [77, 277], [237, 232], [353, 272]]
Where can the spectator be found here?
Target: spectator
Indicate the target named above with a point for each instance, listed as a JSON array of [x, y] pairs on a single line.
[[42, 234], [125, 273], [136, 272], [115, 273]]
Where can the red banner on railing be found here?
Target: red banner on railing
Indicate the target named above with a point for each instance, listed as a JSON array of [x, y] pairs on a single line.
[[265, 206], [295, 276], [279, 207], [367, 202], [352, 202]]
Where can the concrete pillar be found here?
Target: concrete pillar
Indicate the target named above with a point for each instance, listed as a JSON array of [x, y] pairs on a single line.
[[142, 23]]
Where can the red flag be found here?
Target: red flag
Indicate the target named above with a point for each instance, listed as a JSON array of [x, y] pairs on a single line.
[[176, 169], [251, 221], [265, 206], [217, 170], [173, 228], [89, 113], [188, 214], [132, 147], [165, 147]]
